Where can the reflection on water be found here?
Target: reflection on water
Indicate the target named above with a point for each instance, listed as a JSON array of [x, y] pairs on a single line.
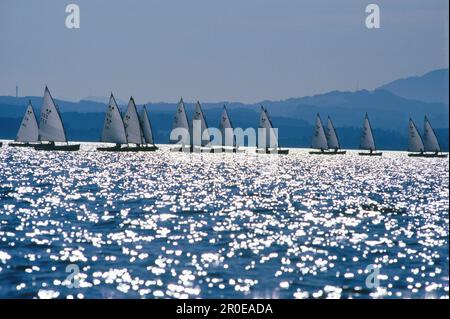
[[221, 225]]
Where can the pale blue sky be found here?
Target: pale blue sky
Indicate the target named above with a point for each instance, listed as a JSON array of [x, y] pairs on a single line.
[[235, 50]]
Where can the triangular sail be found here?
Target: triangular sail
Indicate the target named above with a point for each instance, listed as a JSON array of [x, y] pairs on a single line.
[[367, 140], [132, 125], [271, 138], [226, 128], [51, 127], [332, 139], [430, 140], [181, 120], [113, 127], [199, 116], [319, 140], [415, 143], [29, 130], [146, 126]]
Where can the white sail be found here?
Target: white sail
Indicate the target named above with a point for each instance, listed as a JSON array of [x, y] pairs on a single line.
[[199, 116], [430, 140], [146, 126], [113, 127], [367, 140], [265, 124], [332, 139], [29, 130], [226, 128], [51, 127], [132, 125], [415, 143], [180, 121], [319, 139]]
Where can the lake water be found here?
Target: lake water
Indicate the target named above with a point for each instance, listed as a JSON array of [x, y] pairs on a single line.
[[173, 225]]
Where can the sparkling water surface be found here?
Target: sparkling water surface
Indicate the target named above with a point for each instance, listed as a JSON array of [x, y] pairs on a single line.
[[175, 225]]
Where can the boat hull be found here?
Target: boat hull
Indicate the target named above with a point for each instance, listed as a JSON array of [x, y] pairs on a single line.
[[276, 151], [128, 149], [427, 155], [328, 152], [14, 144], [53, 147], [371, 154]]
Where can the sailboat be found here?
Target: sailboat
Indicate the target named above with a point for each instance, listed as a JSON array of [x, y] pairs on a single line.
[[147, 130], [201, 140], [181, 126], [319, 140], [332, 139], [134, 131], [428, 147], [113, 128], [268, 142], [228, 142], [51, 127], [28, 130], [367, 139]]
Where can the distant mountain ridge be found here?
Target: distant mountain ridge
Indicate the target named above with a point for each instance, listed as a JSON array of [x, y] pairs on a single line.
[[430, 87], [389, 114]]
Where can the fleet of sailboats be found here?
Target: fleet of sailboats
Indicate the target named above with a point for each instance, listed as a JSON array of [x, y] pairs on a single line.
[[133, 128], [267, 142], [327, 143], [51, 128], [28, 130], [367, 139], [429, 146], [133, 132]]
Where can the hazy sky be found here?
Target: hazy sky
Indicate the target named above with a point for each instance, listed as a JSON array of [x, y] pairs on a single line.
[[234, 50]]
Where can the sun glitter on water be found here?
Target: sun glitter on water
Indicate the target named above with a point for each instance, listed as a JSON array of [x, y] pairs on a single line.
[[180, 225]]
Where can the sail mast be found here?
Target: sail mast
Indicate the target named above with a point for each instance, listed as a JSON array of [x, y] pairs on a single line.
[[371, 132]]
